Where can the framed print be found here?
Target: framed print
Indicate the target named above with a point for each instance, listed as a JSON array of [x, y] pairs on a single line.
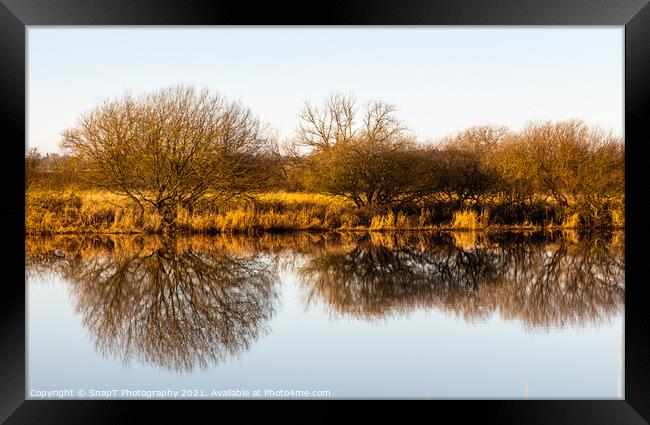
[[435, 201]]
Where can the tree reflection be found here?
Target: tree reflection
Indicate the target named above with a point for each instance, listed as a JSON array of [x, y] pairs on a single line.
[[165, 302], [193, 301], [542, 281]]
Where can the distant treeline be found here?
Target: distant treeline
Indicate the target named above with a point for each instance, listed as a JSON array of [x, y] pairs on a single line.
[[179, 148]]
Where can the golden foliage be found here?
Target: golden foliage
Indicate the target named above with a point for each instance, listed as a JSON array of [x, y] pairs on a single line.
[[102, 212]]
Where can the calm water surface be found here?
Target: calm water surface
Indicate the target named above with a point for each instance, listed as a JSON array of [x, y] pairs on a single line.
[[456, 315]]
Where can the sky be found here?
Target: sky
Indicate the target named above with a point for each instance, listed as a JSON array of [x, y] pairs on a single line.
[[441, 79]]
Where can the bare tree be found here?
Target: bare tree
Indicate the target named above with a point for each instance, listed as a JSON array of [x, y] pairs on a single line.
[[333, 122], [466, 164], [172, 147], [580, 167], [362, 156]]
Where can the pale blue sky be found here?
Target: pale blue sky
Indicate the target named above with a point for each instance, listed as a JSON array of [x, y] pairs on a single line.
[[442, 79]]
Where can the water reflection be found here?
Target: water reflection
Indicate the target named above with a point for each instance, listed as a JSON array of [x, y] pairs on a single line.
[[190, 302], [541, 280], [172, 303]]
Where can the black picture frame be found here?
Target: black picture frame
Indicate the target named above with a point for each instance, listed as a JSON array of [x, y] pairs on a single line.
[[15, 15]]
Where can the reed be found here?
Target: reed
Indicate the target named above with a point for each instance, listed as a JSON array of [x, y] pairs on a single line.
[[470, 220], [100, 212]]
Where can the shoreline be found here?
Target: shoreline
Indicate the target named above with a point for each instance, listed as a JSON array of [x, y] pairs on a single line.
[[254, 232], [49, 212]]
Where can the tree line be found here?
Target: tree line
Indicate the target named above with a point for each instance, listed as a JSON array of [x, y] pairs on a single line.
[[182, 147]]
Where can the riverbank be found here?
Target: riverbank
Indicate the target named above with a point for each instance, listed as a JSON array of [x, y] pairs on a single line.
[[101, 212]]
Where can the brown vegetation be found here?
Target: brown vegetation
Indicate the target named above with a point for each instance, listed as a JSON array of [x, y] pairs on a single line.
[[172, 148], [181, 159], [224, 288]]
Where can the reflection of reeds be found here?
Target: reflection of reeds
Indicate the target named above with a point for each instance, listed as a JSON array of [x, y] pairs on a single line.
[[571, 235], [542, 279], [89, 246], [465, 240]]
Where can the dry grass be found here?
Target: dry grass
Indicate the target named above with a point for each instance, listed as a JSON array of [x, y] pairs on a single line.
[[92, 212], [81, 212], [101, 212], [393, 221], [470, 220], [572, 221], [618, 218]]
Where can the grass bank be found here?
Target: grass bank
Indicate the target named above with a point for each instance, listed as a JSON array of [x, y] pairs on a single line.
[[100, 212]]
